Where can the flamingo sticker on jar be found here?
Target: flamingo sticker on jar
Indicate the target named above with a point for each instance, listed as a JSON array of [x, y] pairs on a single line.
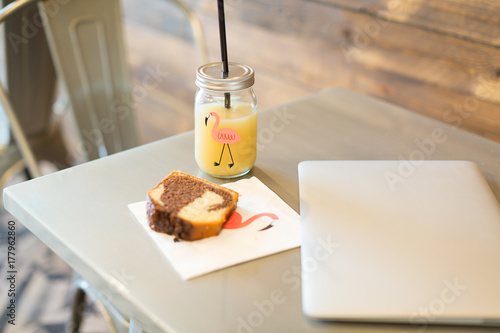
[[225, 120]]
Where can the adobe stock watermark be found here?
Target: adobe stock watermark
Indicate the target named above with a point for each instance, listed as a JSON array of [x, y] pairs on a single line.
[[31, 26], [428, 313], [485, 89], [279, 121], [120, 109], [119, 284], [361, 38], [265, 308], [408, 165]]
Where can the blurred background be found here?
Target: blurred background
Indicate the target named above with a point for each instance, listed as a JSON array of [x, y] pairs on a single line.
[[437, 58], [427, 56]]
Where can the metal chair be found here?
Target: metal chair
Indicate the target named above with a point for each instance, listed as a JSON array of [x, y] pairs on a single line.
[[85, 40], [99, 92], [98, 89]]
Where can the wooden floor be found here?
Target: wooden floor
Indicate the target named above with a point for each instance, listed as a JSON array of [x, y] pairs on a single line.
[[440, 59]]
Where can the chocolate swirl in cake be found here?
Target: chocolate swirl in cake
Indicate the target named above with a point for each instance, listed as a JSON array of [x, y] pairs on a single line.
[[180, 191]]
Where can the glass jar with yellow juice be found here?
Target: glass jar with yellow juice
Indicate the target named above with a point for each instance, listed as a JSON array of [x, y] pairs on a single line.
[[225, 120]]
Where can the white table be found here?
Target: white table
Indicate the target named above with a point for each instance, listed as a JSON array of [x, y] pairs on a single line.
[[81, 213]]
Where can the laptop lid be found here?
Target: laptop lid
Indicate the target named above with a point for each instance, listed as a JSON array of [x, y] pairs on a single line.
[[395, 241]]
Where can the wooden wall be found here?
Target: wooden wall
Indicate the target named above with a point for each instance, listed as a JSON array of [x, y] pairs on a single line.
[[437, 58]]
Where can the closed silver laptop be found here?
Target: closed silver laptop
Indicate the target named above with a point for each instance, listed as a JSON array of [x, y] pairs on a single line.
[[414, 242]]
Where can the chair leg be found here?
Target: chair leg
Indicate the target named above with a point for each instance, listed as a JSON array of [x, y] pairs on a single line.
[[27, 174], [77, 310], [135, 328], [17, 131], [11, 171]]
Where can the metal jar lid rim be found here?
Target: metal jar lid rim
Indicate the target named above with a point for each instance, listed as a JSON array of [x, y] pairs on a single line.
[[210, 76]]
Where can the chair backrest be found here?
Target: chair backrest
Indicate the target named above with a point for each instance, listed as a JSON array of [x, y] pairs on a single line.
[[30, 73], [86, 43]]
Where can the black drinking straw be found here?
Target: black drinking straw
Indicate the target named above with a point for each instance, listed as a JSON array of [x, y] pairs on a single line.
[[223, 49]]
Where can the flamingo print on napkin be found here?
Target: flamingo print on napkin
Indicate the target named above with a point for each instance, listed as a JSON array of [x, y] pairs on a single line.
[[263, 224]]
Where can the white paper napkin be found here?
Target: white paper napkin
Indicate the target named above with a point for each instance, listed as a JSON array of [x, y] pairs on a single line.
[[275, 227]]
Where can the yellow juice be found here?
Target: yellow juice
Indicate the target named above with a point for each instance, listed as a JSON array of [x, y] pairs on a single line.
[[225, 139]]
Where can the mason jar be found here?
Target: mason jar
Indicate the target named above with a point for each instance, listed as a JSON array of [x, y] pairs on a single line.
[[225, 116]]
